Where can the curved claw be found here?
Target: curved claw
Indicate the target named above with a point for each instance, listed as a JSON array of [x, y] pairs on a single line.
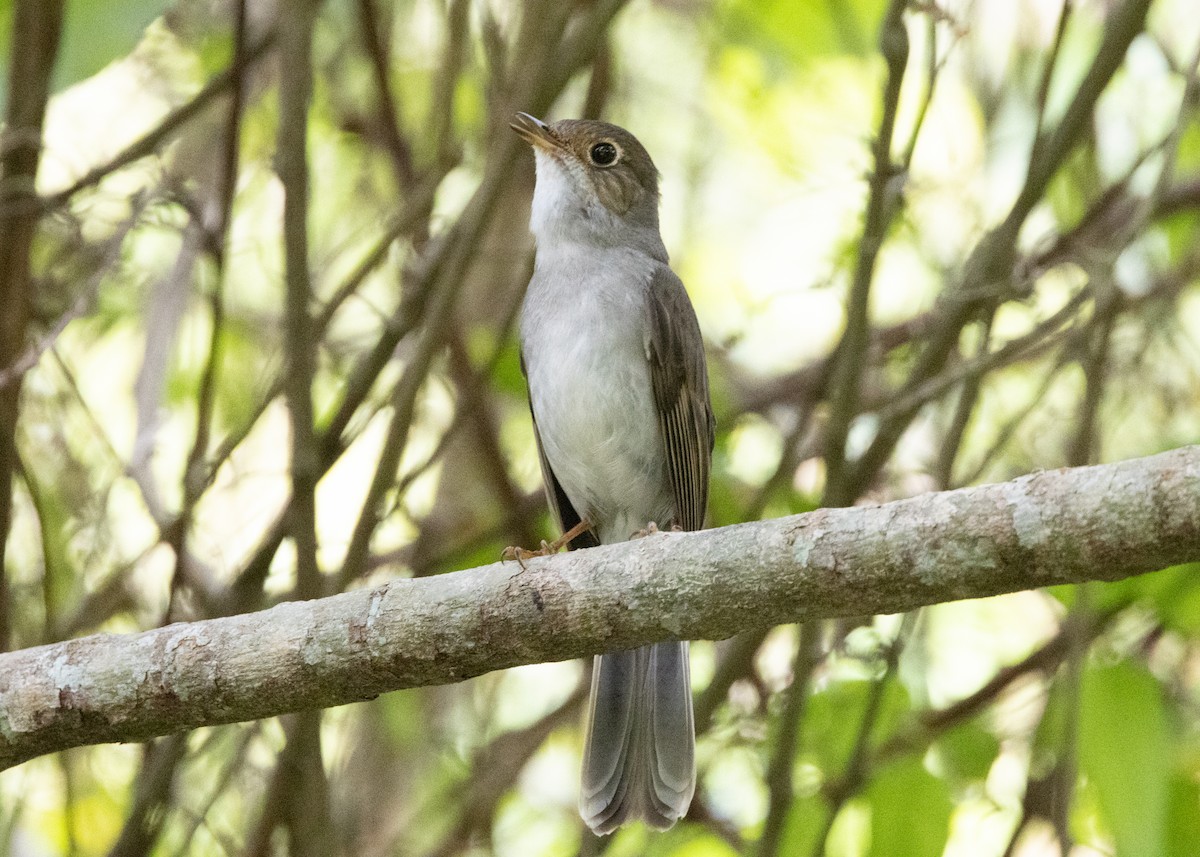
[[514, 552], [521, 554]]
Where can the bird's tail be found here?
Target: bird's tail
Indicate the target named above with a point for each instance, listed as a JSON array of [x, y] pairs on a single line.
[[639, 760]]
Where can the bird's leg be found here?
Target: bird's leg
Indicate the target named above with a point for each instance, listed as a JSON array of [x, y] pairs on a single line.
[[521, 554]]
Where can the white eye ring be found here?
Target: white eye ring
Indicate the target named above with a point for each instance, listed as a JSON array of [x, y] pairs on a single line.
[[604, 154]]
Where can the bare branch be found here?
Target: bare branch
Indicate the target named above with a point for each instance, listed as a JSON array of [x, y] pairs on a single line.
[[1093, 523], [780, 770], [848, 359], [36, 27], [291, 160], [150, 142], [389, 122]]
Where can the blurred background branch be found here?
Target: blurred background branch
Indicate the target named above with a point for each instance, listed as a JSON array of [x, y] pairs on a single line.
[[259, 269]]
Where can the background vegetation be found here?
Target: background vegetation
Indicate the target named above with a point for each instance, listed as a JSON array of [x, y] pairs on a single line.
[[930, 243]]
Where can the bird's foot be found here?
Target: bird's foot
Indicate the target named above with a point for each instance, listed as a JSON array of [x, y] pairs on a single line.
[[520, 554], [649, 530], [652, 528]]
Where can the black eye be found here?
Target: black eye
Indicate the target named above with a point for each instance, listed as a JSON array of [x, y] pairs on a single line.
[[603, 154]]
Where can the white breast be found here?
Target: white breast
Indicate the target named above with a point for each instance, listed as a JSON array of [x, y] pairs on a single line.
[[582, 331]]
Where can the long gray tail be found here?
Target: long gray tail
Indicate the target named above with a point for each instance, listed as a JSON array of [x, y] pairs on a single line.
[[639, 759]]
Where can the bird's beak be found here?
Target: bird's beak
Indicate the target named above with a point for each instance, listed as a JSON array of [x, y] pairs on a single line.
[[534, 131]]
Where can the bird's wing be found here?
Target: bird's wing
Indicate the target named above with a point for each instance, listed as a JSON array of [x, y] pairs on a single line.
[[556, 497], [680, 382]]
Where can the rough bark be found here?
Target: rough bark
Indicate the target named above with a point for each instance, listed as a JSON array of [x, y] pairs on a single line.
[[1090, 523]]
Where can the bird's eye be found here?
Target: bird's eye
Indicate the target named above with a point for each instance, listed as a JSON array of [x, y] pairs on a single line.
[[603, 154]]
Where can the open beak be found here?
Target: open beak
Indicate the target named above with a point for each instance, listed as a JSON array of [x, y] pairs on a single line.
[[534, 131]]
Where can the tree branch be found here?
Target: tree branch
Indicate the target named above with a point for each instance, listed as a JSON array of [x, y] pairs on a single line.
[[291, 164], [849, 365], [1091, 523], [36, 27]]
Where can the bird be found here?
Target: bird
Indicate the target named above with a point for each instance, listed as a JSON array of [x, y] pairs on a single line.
[[614, 362]]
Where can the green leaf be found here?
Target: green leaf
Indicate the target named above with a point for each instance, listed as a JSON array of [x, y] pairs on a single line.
[[968, 751], [1124, 749], [805, 820], [704, 845], [56, 528], [799, 32], [1177, 597], [1174, 593], [910, 811], [95, 32], [1189, 147], [835, 716], [1183, 817], [1069, 187], [508, 377], [1051, 731], [402, 717]]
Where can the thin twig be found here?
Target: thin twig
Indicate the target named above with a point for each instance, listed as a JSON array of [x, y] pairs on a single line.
[[193, 478], [988, 272], [848, 360], [857, 770], [779, 770], [149, 142], [376, 49], [291, 163]]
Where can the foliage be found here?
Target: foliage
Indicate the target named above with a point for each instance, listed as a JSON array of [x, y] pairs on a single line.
[[1000, 318]]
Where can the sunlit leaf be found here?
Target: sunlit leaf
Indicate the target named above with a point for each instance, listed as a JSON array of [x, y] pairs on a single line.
[[95, 32], [910, 811], [507, 376], [803, 824], [802, 31], [1183, 817], [1177, 596], [835, 716], [968, 751], [1124, 749], [55, 525], [705, 845]]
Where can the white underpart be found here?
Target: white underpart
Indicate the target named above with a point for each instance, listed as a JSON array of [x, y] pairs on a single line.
[[557, 200], [584, 344]]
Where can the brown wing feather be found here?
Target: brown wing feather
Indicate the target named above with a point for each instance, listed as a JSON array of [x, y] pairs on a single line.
[[680, 381]]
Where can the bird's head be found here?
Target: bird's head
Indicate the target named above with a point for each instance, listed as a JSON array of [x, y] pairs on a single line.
[[595, 183]]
